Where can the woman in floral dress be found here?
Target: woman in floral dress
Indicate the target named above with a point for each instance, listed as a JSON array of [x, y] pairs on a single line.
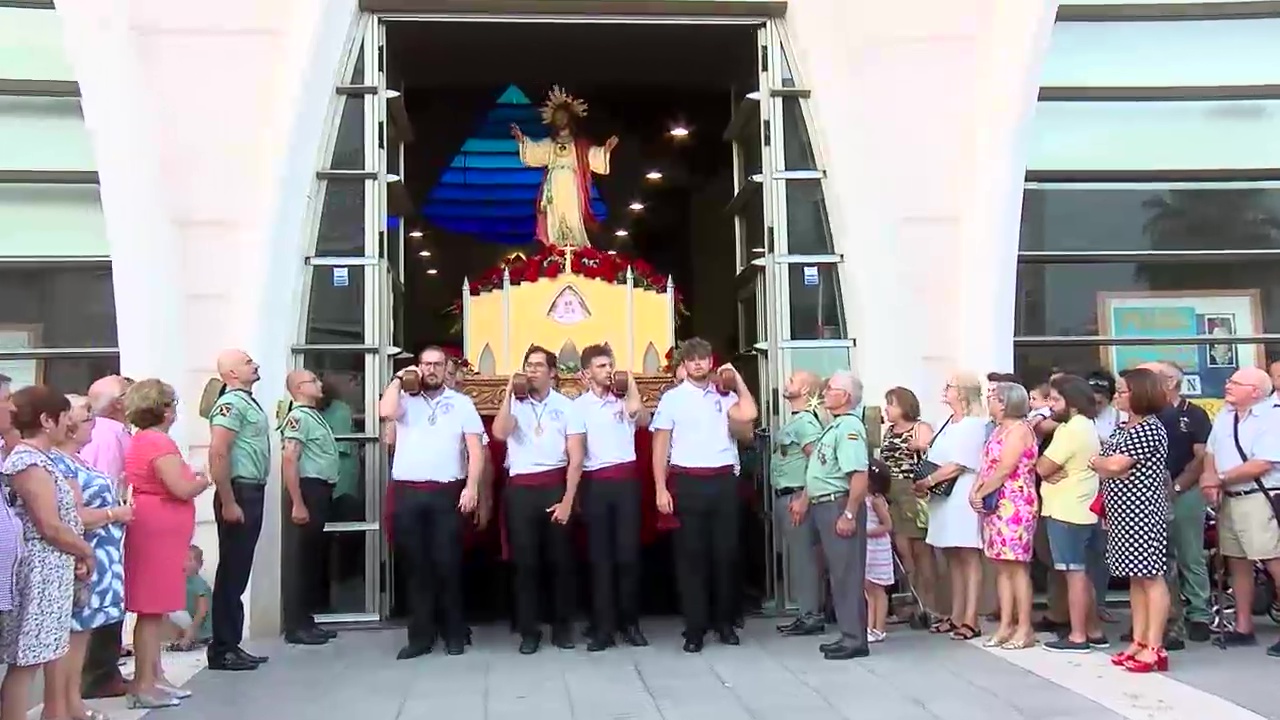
[[38, 629], [1008, 533]]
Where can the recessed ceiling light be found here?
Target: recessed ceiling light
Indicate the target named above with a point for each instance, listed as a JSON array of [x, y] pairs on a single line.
[[415, 233], [621, 233], [653, 175], [757, 250], [679, 131], [393, 94], [424, 253], [613, 252], [392, 178], [432, 271], [636, 206]]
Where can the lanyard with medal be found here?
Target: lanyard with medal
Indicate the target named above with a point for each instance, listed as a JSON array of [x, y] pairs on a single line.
[[537, 416], [431, 407]]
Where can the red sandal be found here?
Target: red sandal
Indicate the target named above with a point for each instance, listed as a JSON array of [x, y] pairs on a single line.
[[1158, 664], [1124, 656]]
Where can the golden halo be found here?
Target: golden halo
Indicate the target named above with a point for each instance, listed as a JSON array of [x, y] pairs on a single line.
[[558, 99]]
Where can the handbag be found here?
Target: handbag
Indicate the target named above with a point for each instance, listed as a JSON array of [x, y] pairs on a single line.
[[927, 467], [1097, 507], [1273, 498]]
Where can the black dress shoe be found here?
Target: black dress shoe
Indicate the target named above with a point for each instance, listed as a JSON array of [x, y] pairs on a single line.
[[693, 645], [255, 659], [829, 646], [846, 652], [562, 638], [411, 651], [634, 637], [230, 662], [529, 643], [728, 636], [802, 628], [1198, 631], [784, 627], [323, 632], [456, 646], [600, 643], [305, 637]]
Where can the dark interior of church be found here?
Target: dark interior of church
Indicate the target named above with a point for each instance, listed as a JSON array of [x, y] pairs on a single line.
[[463, 84]]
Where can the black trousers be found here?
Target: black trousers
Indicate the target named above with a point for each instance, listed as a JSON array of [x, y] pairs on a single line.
[[612, 511], [237, 543], [428, 533], [533, 537], [305, 591], [706, 547]]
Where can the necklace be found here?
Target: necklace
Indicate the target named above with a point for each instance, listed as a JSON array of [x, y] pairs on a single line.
[[537, 415], [431, 407]]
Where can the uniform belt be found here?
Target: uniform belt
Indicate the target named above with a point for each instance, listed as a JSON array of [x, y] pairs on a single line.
[[784, 492], [829, 497], [427, 485], [541, 478], [702, 471], [1251, 491]]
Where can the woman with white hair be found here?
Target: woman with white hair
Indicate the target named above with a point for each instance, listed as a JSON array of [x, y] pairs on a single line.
[[1008, 477], [946, 477]]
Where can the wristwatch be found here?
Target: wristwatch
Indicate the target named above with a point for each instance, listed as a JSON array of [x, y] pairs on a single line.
[[848, 515]]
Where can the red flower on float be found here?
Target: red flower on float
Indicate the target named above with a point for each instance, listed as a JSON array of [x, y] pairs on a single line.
[[549, 263]]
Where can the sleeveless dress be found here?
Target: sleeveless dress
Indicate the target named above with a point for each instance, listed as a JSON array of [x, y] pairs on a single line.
[[106, 587], [910, 514], [879, 551], [1009, 532], [38, 629], [155, 548]]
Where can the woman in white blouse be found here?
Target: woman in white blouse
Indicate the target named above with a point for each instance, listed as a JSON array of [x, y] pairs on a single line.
[[954, 526]]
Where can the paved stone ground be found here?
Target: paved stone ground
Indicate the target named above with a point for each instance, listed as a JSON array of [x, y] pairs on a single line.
[[768, 678]]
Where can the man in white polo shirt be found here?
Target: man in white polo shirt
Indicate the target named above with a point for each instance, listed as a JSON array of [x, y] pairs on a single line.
[[435, 476], [604, 430], [692, 427], [543, 470]]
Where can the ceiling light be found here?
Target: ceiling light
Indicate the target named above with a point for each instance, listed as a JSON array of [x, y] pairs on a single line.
[[757, 250], [424, 253], [392, 94], [653, 175], [392, 178], [636, 206], [613, 252], [621, 233], [679, 131], [432, 271], [415, 233], [753, 95]]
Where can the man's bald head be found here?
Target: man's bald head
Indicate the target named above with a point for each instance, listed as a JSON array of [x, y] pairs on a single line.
[[106, 396], [237, 369], [1170, 376], [303, 386], [1247, 387], [808, 382]]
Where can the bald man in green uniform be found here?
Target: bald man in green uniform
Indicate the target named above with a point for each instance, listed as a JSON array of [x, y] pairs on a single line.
[[836, 492], [310, 466], [239, 459], [787, 466]]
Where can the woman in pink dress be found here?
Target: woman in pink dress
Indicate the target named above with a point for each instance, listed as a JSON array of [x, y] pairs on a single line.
[[1006, 483], [162, 489]]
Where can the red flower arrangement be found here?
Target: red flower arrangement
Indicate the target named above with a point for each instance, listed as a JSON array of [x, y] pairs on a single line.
[[586, 262]]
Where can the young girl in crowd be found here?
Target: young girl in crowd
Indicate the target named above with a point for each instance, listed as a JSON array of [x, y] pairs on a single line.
[[879, 574]]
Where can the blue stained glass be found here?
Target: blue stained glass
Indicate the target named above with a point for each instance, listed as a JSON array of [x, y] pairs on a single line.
[[486, 192]]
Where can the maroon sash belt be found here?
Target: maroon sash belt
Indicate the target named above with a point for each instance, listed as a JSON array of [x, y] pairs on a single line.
[[702, 471], [542, 478], [620, 471]]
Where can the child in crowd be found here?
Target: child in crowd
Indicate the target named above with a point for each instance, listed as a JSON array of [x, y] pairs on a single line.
[[1041, 408], [193, 627], [879, 574]]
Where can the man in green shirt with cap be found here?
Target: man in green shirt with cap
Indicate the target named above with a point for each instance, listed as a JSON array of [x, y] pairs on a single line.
[[836, 492], [239, 456], [787, 465], [310, 466]]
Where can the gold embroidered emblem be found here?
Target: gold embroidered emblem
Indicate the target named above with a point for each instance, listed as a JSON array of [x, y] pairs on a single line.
[[223, 410]]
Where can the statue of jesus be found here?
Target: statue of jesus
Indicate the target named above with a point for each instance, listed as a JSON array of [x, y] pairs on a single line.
[[564, 199]]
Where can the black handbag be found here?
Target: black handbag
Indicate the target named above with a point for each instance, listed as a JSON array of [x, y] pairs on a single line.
[[927, 467]]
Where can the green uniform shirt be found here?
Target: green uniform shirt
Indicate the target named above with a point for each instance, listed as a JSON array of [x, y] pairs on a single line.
[[319, 458], [240, 413], [840, 451], [341, 420], [196, 586], [789, 461]]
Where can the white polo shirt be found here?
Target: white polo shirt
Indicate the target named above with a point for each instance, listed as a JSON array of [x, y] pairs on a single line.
[[698, 419], [429, 437], [611, 434], [1259, 437], [537, 443]]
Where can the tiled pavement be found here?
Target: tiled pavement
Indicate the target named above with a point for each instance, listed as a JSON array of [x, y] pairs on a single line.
[[769, 677]]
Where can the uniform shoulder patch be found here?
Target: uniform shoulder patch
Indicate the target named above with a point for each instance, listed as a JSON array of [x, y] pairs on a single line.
[[291, 423], [854, 436], [222, 409]]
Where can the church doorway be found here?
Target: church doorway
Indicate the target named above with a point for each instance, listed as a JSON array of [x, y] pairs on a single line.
[[424, 193]]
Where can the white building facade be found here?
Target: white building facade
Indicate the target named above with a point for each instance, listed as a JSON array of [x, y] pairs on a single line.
[[185, 148]]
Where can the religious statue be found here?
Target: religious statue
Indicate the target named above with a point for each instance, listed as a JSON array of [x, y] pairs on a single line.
[[564, 199]]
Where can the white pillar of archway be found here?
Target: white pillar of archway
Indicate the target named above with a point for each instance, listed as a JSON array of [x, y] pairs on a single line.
[[920, 110], [207, 122]]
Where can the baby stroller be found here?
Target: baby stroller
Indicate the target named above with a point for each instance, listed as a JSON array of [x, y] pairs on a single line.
[[1221, 599]]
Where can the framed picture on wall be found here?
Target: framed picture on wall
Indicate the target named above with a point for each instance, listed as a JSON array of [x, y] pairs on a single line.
[[1213, 313], [24, 371]]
